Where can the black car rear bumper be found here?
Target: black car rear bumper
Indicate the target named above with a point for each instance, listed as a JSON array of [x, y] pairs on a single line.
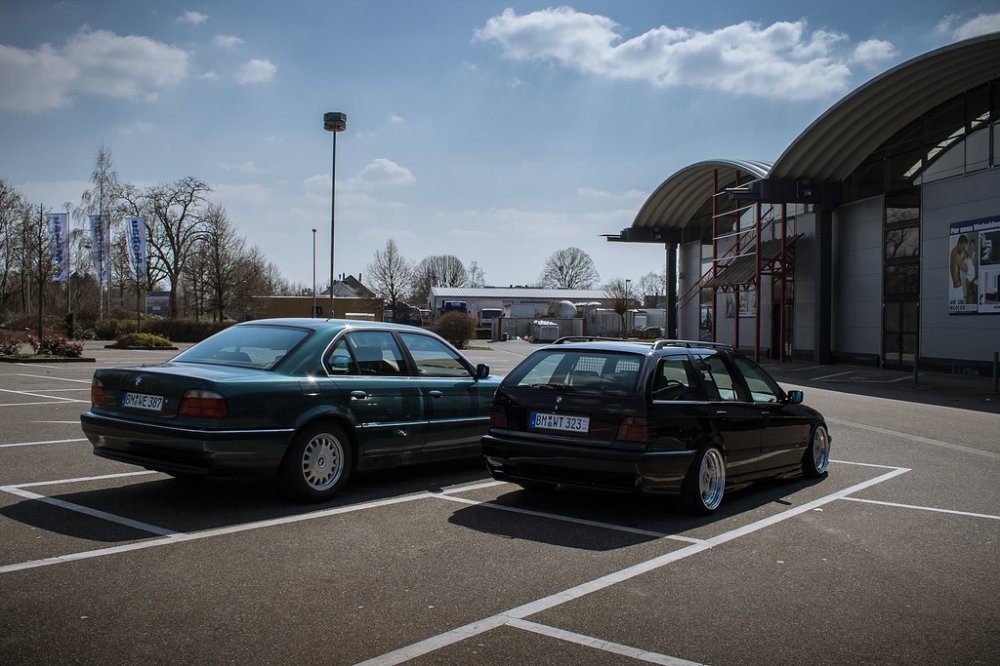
[[514, 459], [185, 450]]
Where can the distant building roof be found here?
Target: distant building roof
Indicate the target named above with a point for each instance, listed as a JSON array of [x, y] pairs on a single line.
[[350, 287], [522, 293]]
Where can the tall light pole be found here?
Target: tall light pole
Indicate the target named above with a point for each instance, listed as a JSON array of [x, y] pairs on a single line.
[[314, 275], [333, 121], [627, 283]]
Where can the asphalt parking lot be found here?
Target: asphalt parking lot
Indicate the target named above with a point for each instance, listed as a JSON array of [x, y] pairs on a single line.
[[891, 559]]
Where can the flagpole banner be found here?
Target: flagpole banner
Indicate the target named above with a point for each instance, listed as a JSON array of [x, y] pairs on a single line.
[[98, 241], [974, 266], [135, 227], [59, 245]]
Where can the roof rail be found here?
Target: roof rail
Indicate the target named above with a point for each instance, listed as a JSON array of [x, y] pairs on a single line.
[[585, 338], [660, 344]]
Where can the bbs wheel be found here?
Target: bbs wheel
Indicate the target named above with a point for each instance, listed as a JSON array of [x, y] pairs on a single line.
[[817, 456], [318, 464], [706, 482]]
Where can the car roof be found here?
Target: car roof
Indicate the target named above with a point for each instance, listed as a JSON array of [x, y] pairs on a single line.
[[663, 347], [328, 324]]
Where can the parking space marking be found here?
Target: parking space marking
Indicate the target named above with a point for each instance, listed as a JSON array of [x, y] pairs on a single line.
[[924, 508], [836, 374], [40, 395], [79, 479], [60, 379], [49, 441], [472, 629], [570, 519], [94, 513], [62, 401], [917, 438], [596, 643], [180, 537]]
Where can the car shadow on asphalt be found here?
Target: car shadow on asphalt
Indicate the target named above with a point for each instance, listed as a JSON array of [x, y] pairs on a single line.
[[191, 505], [617, 520]]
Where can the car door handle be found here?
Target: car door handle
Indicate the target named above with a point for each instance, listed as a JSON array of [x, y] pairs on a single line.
[[721, 412], [358, 395], [435, 394]]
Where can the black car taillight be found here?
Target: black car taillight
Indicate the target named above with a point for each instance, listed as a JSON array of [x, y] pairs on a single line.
[[97, 393], [203, 404], [498, 416], [634, 429]]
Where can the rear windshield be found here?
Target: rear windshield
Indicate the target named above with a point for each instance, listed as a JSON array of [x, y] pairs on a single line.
[[262, 347], [579, 371]]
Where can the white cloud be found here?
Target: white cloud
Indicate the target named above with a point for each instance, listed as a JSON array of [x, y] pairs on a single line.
[[245, 167], [873, 52], [604, 194], [209, 76], [90, 63], [194, 18], [384, 172], [256, 71], [228, 42], [396, 120], [974, 27], [136, 127], [782, 60]]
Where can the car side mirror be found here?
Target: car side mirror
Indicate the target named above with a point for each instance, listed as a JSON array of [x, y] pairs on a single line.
[[794, 397], [482, 371]]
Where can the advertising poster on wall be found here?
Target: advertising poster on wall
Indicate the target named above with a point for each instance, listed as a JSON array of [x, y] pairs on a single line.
[[974, 266]]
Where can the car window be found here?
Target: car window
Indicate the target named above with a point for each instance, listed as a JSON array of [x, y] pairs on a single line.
[[433, 358], [762, 387], [369, 353], [718, 381], [261, 347], [582, 371], [673, 380]]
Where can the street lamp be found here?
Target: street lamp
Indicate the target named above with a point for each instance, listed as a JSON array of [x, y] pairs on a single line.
[[314, 275], [333, 121], [627, 283]]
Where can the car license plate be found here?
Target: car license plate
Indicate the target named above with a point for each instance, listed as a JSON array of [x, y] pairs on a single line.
[[560, 422], [150, 403]]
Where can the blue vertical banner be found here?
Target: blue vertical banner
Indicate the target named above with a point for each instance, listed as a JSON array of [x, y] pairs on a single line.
[[135, 229], [99, 236], [59, 245]]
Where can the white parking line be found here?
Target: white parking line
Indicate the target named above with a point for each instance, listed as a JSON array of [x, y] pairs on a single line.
[[40, 395], [179, 537], [94, 513], [836, 374], [526, 610], [60, 379], [924, 508], [571, 519], [50, 441], [606, 646], [917, 438]]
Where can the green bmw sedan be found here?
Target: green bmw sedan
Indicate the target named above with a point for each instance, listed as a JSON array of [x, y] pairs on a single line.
[[307, 401]]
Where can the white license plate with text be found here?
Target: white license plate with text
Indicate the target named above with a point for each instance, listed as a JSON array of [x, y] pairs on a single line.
[[560, 422], [150, 403]]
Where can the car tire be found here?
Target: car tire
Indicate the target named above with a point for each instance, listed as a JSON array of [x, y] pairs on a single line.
[[705, 484], [816, 459], [318, 464]]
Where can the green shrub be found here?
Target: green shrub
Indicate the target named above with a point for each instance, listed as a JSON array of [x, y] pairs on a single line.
[[145, 340], [56, 345], [456, 328], [9, 346]]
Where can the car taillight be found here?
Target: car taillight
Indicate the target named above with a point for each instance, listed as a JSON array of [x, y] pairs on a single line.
[[634, 429], [203, 404], [498, 416], [97, 393]]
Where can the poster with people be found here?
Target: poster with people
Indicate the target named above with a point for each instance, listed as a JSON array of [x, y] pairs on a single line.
[[974, 266]]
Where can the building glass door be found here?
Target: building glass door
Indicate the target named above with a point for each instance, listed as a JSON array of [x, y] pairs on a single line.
[[901, 279]]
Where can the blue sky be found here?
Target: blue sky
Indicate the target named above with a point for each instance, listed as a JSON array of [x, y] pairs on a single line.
[[498, 132]]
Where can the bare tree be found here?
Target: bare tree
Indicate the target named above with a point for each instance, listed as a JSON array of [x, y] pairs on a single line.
[[477, 278], [653, 284], [444, 270], [225, 250], [176, 226], [12, 211], [101, 200], [570, 268], [620, 299], [390, 273]]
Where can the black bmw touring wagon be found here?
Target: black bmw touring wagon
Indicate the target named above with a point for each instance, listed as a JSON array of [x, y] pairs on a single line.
[[671, 417]]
